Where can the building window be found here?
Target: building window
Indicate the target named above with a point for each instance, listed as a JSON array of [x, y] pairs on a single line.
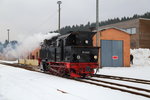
[[131, 30]]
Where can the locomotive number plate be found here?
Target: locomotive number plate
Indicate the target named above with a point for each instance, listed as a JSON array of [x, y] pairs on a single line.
[[86, 52]]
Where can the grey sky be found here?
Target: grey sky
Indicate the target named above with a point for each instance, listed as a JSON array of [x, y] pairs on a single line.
[[25, 17]]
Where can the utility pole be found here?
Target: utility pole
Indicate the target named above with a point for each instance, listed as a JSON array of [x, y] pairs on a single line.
[[59, 2], [8, 34], [97, 34], [97, 21]]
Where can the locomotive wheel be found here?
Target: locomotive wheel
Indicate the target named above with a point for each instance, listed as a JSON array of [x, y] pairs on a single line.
[[62, 71]]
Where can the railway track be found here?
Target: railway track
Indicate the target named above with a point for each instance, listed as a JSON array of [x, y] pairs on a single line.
[[117, 88], [101, 83], [134, 80], [120, 85], [31, 68]]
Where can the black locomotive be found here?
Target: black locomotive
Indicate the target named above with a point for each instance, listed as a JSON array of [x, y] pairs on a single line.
[[71, 54]]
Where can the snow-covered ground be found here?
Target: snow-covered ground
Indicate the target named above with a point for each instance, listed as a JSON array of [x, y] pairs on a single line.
[[21, 84], [11, 62]]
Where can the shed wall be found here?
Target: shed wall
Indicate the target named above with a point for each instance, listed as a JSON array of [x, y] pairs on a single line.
[[115, 34]]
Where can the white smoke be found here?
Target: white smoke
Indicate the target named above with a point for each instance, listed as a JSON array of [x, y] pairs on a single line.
[[27, 45]]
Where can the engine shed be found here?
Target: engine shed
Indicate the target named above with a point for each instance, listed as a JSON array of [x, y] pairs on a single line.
[[114, 47]]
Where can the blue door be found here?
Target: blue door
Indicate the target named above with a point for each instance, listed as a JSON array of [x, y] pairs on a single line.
[[111, 53]]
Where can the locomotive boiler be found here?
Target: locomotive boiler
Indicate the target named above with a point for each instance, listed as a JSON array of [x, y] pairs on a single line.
[[71, 54]]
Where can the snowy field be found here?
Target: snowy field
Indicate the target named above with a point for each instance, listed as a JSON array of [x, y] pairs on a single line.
[[21, 84]]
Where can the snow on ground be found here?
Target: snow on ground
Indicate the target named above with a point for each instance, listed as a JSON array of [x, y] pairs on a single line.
[[21, 84], [11, 62]]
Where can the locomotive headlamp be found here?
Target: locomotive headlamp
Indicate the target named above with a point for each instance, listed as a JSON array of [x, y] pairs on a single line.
[[95, 57], [86, 41], [78, 57]]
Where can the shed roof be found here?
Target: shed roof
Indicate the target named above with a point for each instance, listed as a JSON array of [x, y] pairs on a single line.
[[102, 29]]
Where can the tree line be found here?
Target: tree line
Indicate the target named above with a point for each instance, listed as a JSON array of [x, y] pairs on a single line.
[[7, 44], [90, 26]]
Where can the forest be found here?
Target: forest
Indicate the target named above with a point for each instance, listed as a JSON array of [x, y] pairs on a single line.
[[90, 26]]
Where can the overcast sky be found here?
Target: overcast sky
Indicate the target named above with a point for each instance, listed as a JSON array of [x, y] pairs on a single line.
[[25, 17]]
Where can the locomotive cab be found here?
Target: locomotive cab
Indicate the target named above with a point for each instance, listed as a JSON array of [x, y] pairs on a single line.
[[79, 39]]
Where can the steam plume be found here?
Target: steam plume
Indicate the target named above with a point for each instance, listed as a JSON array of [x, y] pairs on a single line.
[[27, 45]]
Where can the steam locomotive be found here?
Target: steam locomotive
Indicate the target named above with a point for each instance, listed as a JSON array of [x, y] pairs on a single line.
[[71, 54]]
